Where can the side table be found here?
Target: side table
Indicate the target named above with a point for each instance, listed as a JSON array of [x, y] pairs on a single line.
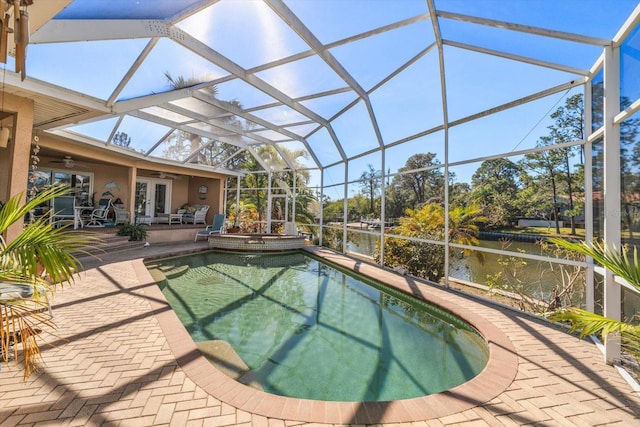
[[175, 218]]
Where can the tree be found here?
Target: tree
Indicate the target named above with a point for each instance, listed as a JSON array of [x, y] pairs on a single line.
[[464, 224], [460, 194], [396, 201], [371, 181], [199, 149], [427, 259], [121, 139], [534, 199], [495, 184], [37, 260], [420, 179], [256, 186], [281, 182], [569, 127], [245, 218], [332, 210], [357, 207], [629, 176], [547, 165]]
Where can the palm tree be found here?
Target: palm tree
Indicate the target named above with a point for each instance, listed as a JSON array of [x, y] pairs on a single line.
[[31, 265], [427, 259], [282, 180], [616, 261], [210, 152]]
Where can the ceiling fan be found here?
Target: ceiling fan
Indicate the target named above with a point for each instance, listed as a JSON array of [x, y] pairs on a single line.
[[164, 175], [69, 163]]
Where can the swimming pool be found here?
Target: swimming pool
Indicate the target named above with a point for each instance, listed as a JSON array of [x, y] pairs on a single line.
[[306, 329]]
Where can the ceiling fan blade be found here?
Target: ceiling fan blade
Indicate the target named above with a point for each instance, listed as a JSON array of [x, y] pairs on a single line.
[[69, 163]]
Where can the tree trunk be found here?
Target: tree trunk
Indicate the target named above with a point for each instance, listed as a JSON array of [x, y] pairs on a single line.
[[570, 191], [555, 203]]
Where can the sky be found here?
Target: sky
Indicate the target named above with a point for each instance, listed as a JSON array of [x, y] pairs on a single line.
[[250, 34]]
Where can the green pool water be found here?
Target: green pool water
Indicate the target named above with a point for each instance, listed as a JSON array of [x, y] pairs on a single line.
[[309, 330]]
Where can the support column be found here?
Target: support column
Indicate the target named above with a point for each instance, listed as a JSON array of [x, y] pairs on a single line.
[[612, 208], [17, 155], [132, 175], [345, 208], [269, 204], [321, 220], [588, 199], [238, 200], [383, 205]]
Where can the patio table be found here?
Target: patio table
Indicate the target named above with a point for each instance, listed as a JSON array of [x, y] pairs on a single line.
[[175, 217], [78, 222]]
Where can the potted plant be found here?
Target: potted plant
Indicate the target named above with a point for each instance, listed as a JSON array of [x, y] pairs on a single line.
[[136, 232], [235, 214], [235, 228]]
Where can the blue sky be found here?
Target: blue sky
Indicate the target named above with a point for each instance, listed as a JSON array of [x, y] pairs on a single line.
[[249, 33]]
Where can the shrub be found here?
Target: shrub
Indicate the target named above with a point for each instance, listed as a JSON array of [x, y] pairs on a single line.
[[135, 232]]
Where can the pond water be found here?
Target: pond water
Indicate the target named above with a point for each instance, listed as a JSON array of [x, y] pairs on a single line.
[[471, 268], [539, 277]]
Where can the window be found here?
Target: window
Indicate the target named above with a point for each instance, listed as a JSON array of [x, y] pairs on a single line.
[[80, 184]]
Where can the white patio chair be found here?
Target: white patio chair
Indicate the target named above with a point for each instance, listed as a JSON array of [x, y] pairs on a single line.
[[99, 215]]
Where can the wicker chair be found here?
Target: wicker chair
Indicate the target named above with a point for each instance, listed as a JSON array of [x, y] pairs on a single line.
[[122, 215], [196, 217]]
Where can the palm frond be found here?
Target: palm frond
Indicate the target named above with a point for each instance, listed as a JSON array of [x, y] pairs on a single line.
[[21, 321], [40, 257], [609, 256], [587, 323]]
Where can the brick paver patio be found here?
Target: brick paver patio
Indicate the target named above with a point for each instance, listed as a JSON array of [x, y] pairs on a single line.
[[116, 360]]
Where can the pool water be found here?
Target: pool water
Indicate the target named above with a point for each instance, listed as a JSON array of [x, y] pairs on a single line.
[[309, 330]]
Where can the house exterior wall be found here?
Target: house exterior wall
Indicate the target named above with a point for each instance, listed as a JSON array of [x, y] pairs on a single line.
[[120, 166], [15, 158]]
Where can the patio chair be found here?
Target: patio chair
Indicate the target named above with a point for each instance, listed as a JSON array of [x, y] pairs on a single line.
[[100, 215], [122, 215], [196, 217], [63, 210], [215, 228]]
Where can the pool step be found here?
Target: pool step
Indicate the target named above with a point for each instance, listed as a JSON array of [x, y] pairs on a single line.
[[107, 243], [222, 355]]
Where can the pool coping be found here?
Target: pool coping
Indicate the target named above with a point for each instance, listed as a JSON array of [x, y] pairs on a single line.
[[498, 374]]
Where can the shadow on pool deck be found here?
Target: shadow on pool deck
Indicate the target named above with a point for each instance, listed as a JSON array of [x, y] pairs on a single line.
[[121, 357]]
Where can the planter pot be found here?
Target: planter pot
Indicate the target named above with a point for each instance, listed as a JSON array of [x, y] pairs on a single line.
[[233, 230]]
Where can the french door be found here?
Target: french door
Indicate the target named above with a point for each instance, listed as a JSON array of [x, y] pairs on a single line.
[[153, 196]]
